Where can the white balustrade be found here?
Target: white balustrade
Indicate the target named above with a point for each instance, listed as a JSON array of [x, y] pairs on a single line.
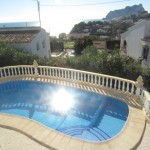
[[72, 75], [145, 98]]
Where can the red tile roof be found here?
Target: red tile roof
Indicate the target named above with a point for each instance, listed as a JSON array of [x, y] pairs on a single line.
[[18, 36]]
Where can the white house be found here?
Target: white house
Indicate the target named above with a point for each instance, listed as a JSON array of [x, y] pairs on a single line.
[[32, 39], [136, 41]]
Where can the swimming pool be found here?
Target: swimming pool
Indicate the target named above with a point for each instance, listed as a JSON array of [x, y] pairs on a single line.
[[82, 114]]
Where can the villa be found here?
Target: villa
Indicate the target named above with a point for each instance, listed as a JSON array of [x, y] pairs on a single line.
[[117, 121], [32, 39], [136, 41]]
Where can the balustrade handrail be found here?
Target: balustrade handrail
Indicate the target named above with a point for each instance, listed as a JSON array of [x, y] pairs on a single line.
[[125, 85], [93, 73]]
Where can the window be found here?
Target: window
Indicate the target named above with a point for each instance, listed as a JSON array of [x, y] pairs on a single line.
[[125, 44], [37, 46], [145, 52], [43, 43]]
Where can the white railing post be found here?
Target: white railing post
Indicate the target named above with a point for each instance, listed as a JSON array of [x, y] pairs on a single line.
[[139, 84], [1, 73], [103, 81], [4, 72], [115, 85], [119, 84], [123, 86], [110, 82], [106, 82], [35, 65]]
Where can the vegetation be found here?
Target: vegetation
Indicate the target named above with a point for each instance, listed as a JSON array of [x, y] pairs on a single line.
[[56, 44], [112, 28], [9, 55], [69, 45], [91, 60], [81, 44]]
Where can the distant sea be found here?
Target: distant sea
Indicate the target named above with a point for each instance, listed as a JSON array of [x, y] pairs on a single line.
[[88, 20], [19, 24]]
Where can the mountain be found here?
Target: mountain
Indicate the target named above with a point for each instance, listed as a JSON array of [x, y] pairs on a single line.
[[124, 12]]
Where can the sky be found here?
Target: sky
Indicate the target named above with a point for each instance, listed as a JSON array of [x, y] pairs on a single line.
[[59, 16]]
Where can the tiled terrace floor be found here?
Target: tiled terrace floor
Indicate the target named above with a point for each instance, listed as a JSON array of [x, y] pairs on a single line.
[[13, 140], [145, 143], [126, 140]]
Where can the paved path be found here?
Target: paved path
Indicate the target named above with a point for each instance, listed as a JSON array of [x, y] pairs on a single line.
[[12, 140]]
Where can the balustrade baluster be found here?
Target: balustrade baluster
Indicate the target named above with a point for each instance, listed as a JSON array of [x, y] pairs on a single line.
[[28, 70], [115, 85], [65, 74], [1, 73], [5, 73], [88, 78], [56, 72], [84, 77], [50, 72], [78, 76], [68, 75], [46, 71], [15, 71], [59, 74], [62, 73], [8, 72], [95, 79], [71, 75], [123, 87], [110, 82], [22, 72], [132, 89], [31, 70], [12, 73], [91, 78], [75, 75], [106, 82], [103, 81], [99, 80], [39, 71], [19, 70], [119, 84], [127, 86], [81, 76]]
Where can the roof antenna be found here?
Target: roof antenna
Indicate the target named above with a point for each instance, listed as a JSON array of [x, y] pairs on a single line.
[[38, 5]]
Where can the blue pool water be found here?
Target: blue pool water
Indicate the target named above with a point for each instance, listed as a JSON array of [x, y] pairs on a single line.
[[92, 116]]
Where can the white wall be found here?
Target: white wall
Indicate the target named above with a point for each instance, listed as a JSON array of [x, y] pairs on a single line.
[[32, 46], [134, 43], [134, 37]]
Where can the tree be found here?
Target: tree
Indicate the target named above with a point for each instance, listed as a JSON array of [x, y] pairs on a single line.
[[62, 36], [81, 44], [56, 44], [78, 46]]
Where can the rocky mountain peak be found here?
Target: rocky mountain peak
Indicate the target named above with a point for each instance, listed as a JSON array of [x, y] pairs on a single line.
[[129, 10]]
